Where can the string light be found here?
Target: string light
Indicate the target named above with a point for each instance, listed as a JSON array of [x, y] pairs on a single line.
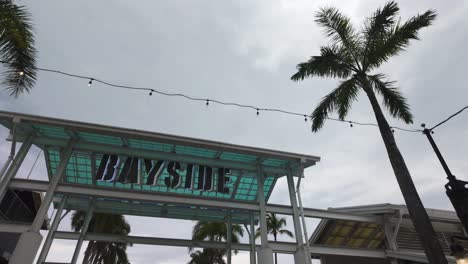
[[207, 102], [258, 109], [21, 73]]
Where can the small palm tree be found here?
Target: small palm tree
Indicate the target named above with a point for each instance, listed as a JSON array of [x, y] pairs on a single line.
[[207, 256], [215, 231], [99, 252], [275, 227], [354, 56], [17, 50]]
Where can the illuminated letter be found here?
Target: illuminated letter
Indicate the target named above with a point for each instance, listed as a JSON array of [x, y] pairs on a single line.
[[188, 177], [222, 180], [171, 169], [108, 167], [129, 172], [154, 170]]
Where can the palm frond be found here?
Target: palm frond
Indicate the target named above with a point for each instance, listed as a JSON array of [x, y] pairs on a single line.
[[393, 100], [321, 112], [398, 38], [333, 62], [339, 28], [286, 232], [377, 26], [17, 48], [348, 92], [339, 99]]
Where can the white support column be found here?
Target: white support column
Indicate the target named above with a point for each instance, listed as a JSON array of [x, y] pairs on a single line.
[[12, 150], [14, 166], [265, 253], [301, 256], [84, 229], [229, 237], [306, 248], [295, 216], [252, 239], [50, 236], [30, 241], [391, 233]]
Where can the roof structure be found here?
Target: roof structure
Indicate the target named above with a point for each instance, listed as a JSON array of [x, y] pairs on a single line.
[[373, 236], [143, 161]]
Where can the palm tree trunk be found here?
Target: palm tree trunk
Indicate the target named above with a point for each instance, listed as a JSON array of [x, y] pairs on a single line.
[[414, 204]]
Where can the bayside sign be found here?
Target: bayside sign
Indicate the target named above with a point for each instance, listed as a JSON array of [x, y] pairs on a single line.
[[113, 168]]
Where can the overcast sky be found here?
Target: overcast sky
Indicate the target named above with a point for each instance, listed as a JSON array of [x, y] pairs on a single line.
[[246, 51]]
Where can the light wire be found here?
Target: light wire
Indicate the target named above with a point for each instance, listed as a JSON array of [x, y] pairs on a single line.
[[210, 100]]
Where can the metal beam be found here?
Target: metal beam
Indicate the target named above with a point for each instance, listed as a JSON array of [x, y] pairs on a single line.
[[14, 166], [145, 135], [13, 227], [108, 192], [324, 214], [413, 256], [279, 247], [53, 228], [84, 229], [51, 187], [154, 210]]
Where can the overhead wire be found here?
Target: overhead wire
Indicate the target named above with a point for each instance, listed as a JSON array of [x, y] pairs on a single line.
[[211, 100], [448, 118]]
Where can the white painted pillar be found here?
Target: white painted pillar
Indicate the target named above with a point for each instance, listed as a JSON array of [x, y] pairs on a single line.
[[50, 236], [265, 253], [84, 229], [229, 237], [30, 241], [295, 216], [14, 166], [300, 256], [253, 259]]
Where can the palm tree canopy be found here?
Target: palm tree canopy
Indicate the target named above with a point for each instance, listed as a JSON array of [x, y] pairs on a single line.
[[275, 226], [206, 257], [103, 252], [17, 50], [216, 231], [352, 55]]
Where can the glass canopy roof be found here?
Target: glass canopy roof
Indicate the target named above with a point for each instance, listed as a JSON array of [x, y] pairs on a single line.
[[113, 157]]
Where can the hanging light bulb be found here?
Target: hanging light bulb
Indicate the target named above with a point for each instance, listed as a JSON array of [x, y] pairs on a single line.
[[305, 118], [393, 130], [350, 124], [151, 92], [90, 82], [21, 73], [258, 111], [207, 102]]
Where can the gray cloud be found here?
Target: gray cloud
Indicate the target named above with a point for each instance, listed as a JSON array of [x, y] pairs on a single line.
[[245, 51]]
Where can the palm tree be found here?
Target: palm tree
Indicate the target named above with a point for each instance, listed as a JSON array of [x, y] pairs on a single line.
[[354, 56], [215, 231], [17, 51], [275, 227], [99, 252], [207, 256]]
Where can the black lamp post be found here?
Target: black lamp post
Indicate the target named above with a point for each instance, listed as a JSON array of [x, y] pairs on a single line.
[[456, 190]]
